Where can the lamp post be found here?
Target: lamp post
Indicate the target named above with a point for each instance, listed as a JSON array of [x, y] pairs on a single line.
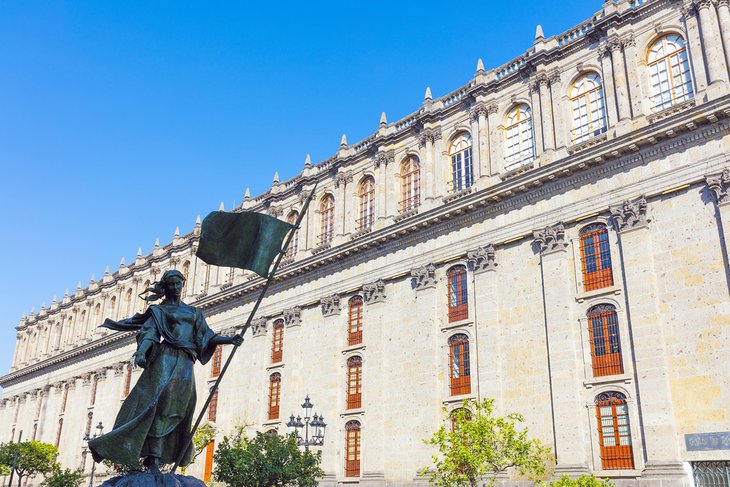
[[100, 429], [316, 422]]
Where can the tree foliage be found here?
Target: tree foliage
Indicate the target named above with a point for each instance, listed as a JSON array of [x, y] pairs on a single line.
[[582, 481], [203, 435], [482, 445], [267, 460], [29, 457], [63, 478]]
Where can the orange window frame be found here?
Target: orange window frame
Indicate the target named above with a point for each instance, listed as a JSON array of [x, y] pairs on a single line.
[[209, 451], [213, 407], [605, 340], [354, 383], [459, 367], [274, 395], [354, 321], [595, 253], [614, 433], [277, 343], [216, 362], [352, 449], [128, 381], [457, 294]]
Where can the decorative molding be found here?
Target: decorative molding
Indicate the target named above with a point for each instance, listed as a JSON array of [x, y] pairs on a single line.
[[718, 185], [424, 277], [293, 316], [275, 211], [119, 368], [613, 43], [700, 4], [258, 326], [343, 178], [330, 305], [374, 292], [482, 258], [630, 215], [384, 158], [628, 40], [428, 135], [554, 76], [479, 109], [551, 239]]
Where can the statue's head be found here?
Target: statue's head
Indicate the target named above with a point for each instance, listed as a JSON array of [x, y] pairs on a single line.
[[170, 286]]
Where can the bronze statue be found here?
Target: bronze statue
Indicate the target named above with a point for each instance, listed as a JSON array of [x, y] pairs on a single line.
[[155, 419]]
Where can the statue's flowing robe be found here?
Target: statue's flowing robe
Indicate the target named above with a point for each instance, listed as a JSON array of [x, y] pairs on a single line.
[[156, 417]]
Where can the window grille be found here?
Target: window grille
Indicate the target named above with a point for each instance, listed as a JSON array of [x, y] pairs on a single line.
[[352, 448], [595, 254], [274, 395], [354, 321], [209, 451], [294, 243], [605, 340], [589, 111], [459, 368], [669, 73], [519, 138], [354, 382], [366, 195], [326, 219], [277, 345], [457, 294], [410, 184], [213, 407], [216, 362], [711, 473], [462, 171], [614, 431]]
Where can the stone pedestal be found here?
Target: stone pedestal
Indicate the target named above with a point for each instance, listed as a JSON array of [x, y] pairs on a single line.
[[143, 479]]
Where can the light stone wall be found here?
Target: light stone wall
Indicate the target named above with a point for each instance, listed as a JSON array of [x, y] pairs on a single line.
[[655, 178]]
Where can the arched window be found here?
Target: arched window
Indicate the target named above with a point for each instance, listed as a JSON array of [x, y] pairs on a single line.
[[462, 171], [352, 449], [186, 275], [142, 302], [458, 416], [459, 372], [213, 407], [589, 111], [354, 382], [97, 315], [215, 366], [128, 302], [457, 293], [519, 138], [669, 72], [410, 184], [326, 219], [605, 340], [366, 199], [274, 395], [595, 254], [277, 344], [294, 244], [614, 431], [354, 321], [113, 307], [84, 326]]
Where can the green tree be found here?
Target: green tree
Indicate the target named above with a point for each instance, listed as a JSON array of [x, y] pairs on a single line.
[[29, 457], [267, 460], [63, 478], [481, 445], [582, 481]]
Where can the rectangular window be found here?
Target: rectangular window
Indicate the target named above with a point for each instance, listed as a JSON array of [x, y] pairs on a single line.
[[596, 258], [458, 297], [209, 451], [213, 407], [354, 322], [354, 383], [352, 460], [459, 365], [605, 341], [216, 362], [615, 436], [274, 395], [277, 345]]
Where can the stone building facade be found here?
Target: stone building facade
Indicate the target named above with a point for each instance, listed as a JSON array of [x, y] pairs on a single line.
[[552, 235]]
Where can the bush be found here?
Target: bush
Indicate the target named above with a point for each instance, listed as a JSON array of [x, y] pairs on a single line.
[[582, 481], [63, 478]]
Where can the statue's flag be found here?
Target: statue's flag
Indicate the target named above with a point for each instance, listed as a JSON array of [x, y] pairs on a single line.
[[246, 240]]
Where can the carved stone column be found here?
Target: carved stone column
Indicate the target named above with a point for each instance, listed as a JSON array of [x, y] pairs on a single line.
[[723, 15], [718, 184], [694, 47], [631, 56], [563, 341], [344, 223], [609, 90], [561, 110], [655, 397], [476, 119], [428, 175], [382, 161], [716, 67], [492, 138], [536, 117], [546, 107], [619, 77]]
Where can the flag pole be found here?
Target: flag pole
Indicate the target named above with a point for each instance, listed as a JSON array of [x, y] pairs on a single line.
[[269, 279]]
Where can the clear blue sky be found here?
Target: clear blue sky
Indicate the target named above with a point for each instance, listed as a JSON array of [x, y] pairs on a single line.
[[120, 120]]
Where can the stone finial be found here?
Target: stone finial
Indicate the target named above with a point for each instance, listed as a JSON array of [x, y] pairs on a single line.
[[247, 194], [293, 316], [122, 264], [157, 243], [383, 119], [330, 305], [276, 177], [423, 277], [308, 161], [374, 292], [177, 232], [480, 65], [630, 215], [106, 271], [718, 185], [428, 96], [258, 326], [222, 207], [482, 258], [538, 33], [196, 229], [139, 252], [551, 238], [343, 141]]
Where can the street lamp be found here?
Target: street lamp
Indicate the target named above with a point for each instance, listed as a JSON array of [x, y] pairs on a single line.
[[316, 422], [100, 429]]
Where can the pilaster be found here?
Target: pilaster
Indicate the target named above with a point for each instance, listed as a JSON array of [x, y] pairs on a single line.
[[631, 57], [694, 48], [712, 47], [619, 76], [719, 185], [492, 138], [609, 88], [536, 117], [563, 340], [546, 113], [723, 16], [476, 119]]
